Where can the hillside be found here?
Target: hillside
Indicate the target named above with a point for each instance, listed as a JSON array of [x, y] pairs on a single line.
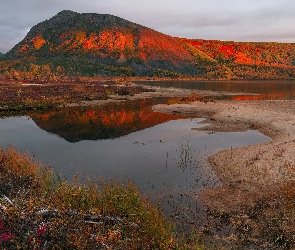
[[73, 45], [98, 44], [258, 60]]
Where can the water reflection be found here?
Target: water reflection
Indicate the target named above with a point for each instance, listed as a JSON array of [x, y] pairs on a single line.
[[101, 122], [166, 160], [267, 90]]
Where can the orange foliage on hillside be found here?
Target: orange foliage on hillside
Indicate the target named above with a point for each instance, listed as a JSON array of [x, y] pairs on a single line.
[[24, 49], [110, 46], [162, 47], [271, 54], [108, 42], [118, 43], [35, 43], [242, 58], [38, 42]]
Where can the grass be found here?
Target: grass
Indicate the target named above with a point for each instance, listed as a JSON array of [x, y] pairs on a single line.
[[38, 210]]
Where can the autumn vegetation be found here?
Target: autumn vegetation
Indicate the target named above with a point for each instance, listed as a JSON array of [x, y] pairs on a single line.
[[248, 60], [23, 96], [70, 59], [72, 46]]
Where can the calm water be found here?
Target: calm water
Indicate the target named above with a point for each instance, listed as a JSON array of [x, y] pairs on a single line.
[[161, 153], [267, 90]]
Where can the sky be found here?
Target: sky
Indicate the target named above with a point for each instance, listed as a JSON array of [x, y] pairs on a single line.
[[230, 20]]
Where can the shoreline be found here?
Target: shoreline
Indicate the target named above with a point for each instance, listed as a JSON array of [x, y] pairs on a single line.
[[155, 92], [255, 168], [257, 196], [275, 119]]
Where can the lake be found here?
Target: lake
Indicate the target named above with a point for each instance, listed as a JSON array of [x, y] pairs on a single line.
[[162, 154], [266, 90]]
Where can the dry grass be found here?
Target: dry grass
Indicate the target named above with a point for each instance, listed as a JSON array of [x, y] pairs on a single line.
[[40, 211], [260, 219], [17, 97]]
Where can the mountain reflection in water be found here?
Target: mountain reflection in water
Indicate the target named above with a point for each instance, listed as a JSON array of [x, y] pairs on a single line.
[[102, 122]]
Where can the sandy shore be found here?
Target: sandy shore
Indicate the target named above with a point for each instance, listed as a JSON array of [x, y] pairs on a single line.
[[260, 166], [256, 167]]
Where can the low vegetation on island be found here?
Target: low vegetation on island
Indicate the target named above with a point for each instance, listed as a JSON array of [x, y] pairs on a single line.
[[18, 97]]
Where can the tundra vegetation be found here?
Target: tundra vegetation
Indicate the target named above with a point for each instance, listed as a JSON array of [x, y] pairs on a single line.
[[21, 96], [38, 210]]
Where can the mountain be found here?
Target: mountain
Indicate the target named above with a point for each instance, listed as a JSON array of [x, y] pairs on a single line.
[[93, 41], [1, 54], [71, 44]]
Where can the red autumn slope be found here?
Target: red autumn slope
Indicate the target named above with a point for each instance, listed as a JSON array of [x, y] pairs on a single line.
[[248, 60], [104, 43], [262, 53], [74, 44]]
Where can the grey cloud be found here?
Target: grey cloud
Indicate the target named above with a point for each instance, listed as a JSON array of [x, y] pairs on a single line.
[[11, 38]]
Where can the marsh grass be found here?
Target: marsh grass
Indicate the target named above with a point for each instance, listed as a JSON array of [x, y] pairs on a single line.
[[38, 210], [17, 97], [261, 219]]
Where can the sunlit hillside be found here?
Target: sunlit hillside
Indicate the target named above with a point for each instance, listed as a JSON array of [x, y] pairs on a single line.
[[73, 45]]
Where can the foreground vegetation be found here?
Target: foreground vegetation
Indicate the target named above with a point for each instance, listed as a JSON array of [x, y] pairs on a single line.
[[38, 210]]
